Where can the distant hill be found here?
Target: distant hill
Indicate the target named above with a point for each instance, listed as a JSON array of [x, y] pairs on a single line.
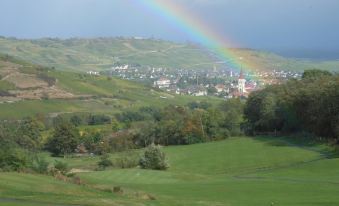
[[102, 53], [28, 89]]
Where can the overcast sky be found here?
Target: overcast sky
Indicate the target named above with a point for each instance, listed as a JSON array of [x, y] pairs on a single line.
[[263, 24]]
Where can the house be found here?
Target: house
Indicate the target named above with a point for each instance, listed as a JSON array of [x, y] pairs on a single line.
[[93, 73], [162, 83], [200, 93], [197, 91], [220, 88], [121, 68]]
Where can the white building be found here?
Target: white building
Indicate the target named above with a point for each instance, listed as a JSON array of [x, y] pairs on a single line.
[[121, 68], [93, 73], [200, 93], [241, 84], [220, 88], [162, 83]]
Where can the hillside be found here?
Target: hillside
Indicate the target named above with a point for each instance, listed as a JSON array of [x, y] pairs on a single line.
[[27, 89], [237, 171], [102, 53]]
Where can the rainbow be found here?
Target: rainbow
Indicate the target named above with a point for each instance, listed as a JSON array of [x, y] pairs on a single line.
[[197, 29]]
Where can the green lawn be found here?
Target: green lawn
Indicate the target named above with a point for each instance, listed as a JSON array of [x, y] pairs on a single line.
[[25, 189], [238, 171]]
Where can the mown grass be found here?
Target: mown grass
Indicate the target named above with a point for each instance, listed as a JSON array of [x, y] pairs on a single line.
[[26, 189], [237, 171]]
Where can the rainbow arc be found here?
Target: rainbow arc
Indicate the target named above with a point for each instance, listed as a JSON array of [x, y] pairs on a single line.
[[198, 30]]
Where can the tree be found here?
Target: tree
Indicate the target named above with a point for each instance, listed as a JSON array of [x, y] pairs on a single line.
[[115, 125], [212, 90], [233, 111], [105, 161], [153, 158], [76, 120], [14, 159], [29, 133], [65, 139], [309, 104], [315, 73]]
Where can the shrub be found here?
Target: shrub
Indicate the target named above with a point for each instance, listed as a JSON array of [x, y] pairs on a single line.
[[105, 161], [40, 165], [76, 120], [99, 119], [64, 141], [62, 167], [126, 162], [14, 159], [153, 158]]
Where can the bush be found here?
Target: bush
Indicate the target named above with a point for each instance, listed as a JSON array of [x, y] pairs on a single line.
[[99, 119], [62, 167], [64, 141], [14, 159], [126, 162], [76, 120], [40, 165], [105, 161], [153, 159]]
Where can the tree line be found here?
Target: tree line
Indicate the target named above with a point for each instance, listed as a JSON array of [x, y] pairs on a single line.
[[197, 122], [308, 105]]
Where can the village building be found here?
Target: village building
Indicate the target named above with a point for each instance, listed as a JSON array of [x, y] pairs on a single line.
[[241, 84], [220, 88], [93, 73], [162, 83]]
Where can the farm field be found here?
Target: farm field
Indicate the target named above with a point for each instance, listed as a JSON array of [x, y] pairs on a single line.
[[236, 171]]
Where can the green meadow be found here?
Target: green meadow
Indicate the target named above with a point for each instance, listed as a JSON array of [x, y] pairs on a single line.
[[237, 171]]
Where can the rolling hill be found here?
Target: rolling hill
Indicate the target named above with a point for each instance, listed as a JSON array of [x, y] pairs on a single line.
[[237, 171], [28, 89], [101, 53]]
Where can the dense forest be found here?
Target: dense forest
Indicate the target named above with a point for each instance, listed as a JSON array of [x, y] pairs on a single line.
[[307, 105]]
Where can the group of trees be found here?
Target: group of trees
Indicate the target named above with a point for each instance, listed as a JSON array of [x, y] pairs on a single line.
[[176, 125], [196, 122], [19, 140], [85, 119], [310, 104], [173, 125]]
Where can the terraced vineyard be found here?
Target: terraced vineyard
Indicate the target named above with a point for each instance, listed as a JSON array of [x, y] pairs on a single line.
[[26, 93]]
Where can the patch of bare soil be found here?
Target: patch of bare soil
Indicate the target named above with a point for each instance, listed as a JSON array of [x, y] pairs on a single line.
[[9, 100], [7, 68], [25, 81], [44, 92]]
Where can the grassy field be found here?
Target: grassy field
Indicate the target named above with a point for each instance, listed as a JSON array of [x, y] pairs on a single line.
[[238, 171]]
